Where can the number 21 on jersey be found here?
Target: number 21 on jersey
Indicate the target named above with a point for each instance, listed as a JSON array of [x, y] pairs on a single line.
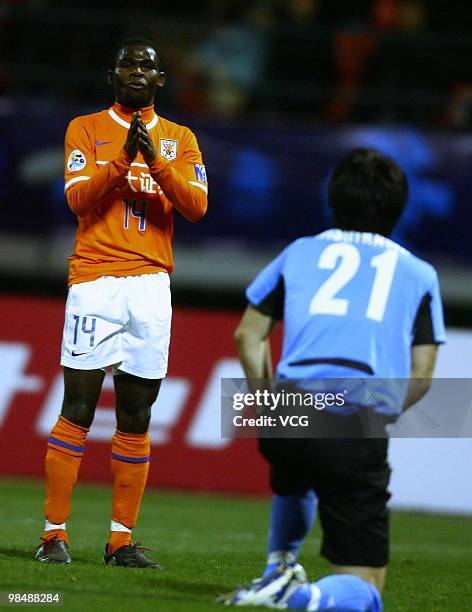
[[344, 260]]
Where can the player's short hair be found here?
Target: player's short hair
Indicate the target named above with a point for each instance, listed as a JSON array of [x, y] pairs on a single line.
[[367, 192], [138, 41]]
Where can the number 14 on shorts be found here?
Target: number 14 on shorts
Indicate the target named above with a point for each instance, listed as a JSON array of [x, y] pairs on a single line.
[[84, 325]]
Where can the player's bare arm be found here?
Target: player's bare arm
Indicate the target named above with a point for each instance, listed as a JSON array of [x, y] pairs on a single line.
[[423, 361], [268, 364], [252, 341]]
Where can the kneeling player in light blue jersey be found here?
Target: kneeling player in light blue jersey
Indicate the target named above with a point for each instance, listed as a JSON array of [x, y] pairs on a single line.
[[355, 305]]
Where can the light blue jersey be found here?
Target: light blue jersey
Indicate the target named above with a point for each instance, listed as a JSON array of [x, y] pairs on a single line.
[[353, 304]]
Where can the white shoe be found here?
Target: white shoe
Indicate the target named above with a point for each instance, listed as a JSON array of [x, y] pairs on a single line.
[[273, 591]]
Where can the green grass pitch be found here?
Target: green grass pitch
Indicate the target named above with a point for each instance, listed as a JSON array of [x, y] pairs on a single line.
[[207, 544]]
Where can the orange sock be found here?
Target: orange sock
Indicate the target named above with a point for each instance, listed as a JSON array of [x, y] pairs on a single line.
[[130, 454], [65, 450], [118, 539]]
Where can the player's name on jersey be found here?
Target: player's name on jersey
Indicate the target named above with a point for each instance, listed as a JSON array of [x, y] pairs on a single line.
[[376, 240]]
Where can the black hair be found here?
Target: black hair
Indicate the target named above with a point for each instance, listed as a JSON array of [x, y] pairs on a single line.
[[367, 192], [138, 41]]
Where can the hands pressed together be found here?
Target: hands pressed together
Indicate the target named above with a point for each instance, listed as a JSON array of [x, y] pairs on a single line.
[[139, 140]]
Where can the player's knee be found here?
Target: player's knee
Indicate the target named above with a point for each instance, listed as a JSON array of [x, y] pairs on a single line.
[[133, 419], [78, 411]]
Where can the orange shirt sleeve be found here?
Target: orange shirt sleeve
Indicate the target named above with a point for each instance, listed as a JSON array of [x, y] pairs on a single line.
[[185, 190], [86, 184]]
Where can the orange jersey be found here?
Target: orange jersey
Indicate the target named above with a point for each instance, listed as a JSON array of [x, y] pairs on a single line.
[[125, 207]]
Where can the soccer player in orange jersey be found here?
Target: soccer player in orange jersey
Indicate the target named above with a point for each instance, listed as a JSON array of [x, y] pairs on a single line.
[[127, 169]]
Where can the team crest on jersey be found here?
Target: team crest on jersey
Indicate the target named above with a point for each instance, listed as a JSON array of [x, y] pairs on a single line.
[[200, 173], [169, 148], [76, 161]]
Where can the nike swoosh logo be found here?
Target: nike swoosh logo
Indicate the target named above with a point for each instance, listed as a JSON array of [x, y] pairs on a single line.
[[74, 354], [99, 143]]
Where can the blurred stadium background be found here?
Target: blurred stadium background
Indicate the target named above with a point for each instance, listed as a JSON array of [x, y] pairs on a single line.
[[276, 91]]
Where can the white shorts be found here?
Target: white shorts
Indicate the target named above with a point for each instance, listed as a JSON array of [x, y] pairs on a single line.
[[119, 321]]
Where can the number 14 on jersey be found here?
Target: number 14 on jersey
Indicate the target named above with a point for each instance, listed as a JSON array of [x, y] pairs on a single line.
[[137, 210]]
